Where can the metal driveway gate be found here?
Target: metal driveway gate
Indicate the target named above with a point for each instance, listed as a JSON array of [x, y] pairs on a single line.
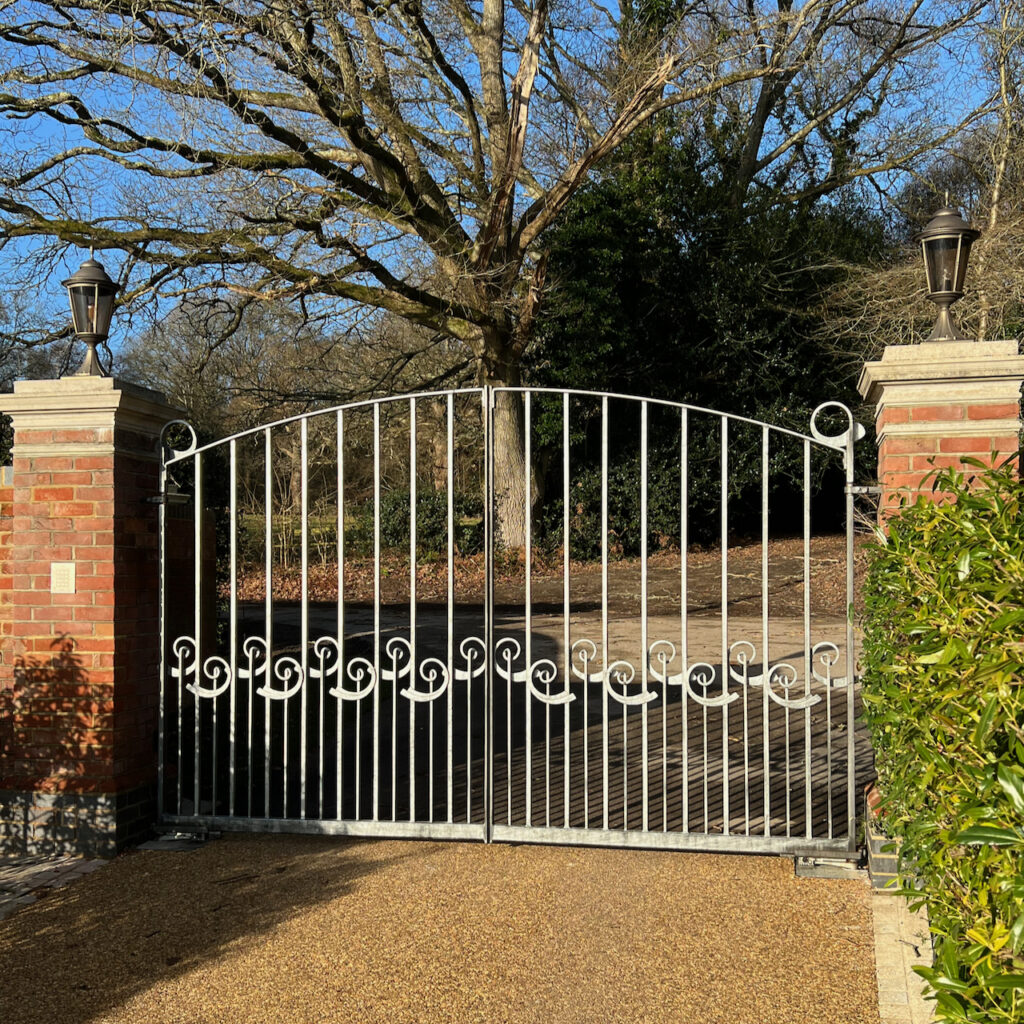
[[512, 614]]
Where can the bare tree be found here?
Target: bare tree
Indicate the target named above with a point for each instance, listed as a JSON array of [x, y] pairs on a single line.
[[1000, 260], [325, 150], [982, 172]]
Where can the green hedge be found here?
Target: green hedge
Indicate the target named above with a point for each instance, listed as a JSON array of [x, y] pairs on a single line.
[[944, 693]]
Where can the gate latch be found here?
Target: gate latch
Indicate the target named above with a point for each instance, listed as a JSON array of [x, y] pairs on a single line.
[[863, 489], [170, 498]]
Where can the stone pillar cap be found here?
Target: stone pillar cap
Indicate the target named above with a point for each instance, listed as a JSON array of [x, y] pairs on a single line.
[[86, 401], [939, 361]]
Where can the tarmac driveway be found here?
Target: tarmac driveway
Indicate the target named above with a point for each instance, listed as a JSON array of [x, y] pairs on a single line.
[[301, 929]]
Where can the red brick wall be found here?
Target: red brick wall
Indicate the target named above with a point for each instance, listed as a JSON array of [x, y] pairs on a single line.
[[79, 670], [905, 460], [6, 582]]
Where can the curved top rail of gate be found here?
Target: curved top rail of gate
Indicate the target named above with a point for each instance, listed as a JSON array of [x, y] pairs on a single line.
[[837, 442]]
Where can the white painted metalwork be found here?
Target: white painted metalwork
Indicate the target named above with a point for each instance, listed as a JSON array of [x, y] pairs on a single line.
[[564, 721]]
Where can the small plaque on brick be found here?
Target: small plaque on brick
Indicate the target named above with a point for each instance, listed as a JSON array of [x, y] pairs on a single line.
[[62, 577]]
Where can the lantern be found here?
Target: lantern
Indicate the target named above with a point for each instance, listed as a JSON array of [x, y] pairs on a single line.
[[91, 293], [946, 244]]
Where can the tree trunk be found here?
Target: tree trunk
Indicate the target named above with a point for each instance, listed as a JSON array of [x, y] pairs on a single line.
[[437, 426], [509, 470], [499, 368]]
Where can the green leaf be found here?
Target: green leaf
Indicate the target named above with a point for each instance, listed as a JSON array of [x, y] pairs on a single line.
[[951, 1006], [990, 834], [942, 981], [963, 566], [1013, 787], [1017, 934], [985, 722], [1005, 981], [1008, 618], [937, 657]]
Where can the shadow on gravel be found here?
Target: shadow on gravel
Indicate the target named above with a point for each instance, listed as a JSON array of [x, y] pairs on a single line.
[[151, 916]]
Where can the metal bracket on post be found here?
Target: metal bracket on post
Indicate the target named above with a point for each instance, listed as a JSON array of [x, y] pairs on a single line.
[[169, 498]]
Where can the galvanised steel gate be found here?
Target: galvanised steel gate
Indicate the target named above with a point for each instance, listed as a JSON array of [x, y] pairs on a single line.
[[513, 614]]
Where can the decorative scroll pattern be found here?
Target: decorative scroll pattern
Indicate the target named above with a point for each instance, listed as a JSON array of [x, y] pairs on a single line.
[[781, 676], [544, 671], [215, 668], [354, 680], [357, 677], [618, 673], [828, 655], [700, 672]]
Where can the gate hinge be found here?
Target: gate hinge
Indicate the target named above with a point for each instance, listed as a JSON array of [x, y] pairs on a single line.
[[863, 489]]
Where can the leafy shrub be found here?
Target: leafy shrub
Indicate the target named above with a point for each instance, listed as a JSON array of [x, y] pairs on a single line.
[[431, 529], [431, 521], [944, 693], [623, 508]]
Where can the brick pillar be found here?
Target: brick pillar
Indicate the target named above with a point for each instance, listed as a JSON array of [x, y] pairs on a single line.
[[79, 626], [936, 403]]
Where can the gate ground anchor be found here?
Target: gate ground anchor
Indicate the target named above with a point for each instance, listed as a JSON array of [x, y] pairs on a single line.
[[172, 838], [828, 867]]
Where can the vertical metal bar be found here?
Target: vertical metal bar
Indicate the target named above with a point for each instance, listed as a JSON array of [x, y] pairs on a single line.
[[725, 623], [179, 765], [851, 767], [508, 744], [765, 466], [528, 597], [664, 751], [412, 608], [704, 779], [487, 654], [684, 543], [161, 727], [268, 605], [586, 748], [375, 767], [644, 658], [547, 765], [625, 767], [566, 638], [829, 783], [508, 683], [451, 599], [789, 815], [233, 627], [605, 654], [286, 704], [394, 737], [320, 738], [358, 709], [394, 730], [765, 654], [488, 400], [198, 540], [469, 736], [304, 631], [340, 747], [215, 744], [808, 677]]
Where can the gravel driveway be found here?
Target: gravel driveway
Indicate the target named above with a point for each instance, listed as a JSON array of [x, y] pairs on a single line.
[[301, 929]]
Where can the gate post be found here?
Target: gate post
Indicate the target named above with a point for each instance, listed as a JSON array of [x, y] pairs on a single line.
[[80, 627], [937, 402]]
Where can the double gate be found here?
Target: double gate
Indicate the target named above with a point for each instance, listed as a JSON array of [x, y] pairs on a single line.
[[513, 614]]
